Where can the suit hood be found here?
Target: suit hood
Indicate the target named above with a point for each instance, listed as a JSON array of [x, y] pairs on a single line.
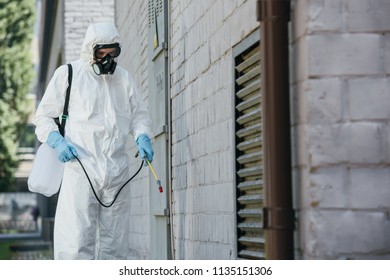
[[98, 33]]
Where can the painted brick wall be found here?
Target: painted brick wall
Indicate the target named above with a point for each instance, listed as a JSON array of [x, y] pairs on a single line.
[[203, 200], [78, 15], [131, 21], [340, 88]]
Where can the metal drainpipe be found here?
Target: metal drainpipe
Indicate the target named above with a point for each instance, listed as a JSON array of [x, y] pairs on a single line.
[[278, 212]]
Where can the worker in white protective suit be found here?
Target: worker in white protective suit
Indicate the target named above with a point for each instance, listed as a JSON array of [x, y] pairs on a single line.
[[105, 109]]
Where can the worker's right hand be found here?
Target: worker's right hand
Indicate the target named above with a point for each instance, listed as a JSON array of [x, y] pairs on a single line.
[[65, 151]]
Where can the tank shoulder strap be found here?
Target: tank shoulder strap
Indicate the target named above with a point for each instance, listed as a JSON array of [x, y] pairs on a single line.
[[65, 113]]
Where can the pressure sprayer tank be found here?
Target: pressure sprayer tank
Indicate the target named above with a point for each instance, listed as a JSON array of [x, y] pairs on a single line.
[[47, 171]]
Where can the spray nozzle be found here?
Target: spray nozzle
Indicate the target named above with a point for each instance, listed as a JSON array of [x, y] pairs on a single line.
[[160, 188]]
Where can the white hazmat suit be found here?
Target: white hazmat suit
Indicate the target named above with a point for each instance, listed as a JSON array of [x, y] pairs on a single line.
[[103, 112]]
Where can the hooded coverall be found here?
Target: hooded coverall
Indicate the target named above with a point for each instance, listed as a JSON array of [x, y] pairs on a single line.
[[103, 112]]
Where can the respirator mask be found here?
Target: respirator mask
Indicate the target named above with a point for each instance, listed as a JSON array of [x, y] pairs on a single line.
[[104, 55]]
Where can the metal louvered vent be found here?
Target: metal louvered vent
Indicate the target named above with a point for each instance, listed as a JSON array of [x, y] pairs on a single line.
[[249, 154], [155, 7]]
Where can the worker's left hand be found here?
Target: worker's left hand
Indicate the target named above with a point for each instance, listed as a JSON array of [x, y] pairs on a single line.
[[145, 147]]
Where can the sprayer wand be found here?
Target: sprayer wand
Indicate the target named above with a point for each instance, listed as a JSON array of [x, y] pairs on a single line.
[[160, 188]]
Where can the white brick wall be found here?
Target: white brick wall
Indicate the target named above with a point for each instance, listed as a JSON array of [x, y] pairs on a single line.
[[340, 93], [131, 21], [202, 35], [78, 15]]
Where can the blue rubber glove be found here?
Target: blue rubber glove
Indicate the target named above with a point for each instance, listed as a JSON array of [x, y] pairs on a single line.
[[145, 147], [65, 151]]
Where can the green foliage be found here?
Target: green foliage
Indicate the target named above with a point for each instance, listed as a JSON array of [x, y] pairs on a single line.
[[5, 252], [16, 73]]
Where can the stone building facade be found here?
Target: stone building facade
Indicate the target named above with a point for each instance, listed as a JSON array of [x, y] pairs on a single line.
[[340, 88]]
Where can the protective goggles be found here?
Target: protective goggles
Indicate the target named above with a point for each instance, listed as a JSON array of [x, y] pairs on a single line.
[[113, 50]]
